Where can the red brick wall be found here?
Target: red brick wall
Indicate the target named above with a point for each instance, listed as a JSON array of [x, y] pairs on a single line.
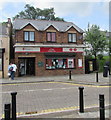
[[40, 37], [41, 71]]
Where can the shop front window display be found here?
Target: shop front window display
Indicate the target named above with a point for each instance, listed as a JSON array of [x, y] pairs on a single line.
[[59, 63]]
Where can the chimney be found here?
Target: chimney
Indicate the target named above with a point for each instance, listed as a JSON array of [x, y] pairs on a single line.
[[9, 26], [9, 20]]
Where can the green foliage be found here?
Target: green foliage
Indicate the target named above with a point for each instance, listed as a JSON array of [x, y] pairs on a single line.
[[102, 63], [36, 13], [100, 56], [110, 46], [88, 57], [4, 23], [96, 39]]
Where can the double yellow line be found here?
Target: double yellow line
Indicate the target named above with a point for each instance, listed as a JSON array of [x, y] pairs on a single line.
[[75, 84], [48, 111]]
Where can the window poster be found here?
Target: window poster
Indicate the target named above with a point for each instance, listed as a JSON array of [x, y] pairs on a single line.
[[79, 63], [70, 63]]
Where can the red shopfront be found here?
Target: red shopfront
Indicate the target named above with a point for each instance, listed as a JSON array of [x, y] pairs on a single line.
[[47, 61]]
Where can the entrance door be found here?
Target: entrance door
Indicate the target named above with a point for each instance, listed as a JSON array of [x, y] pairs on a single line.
[[30, 66], [26, 66]]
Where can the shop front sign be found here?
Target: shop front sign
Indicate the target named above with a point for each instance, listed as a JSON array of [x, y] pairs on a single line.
[[47, 50]]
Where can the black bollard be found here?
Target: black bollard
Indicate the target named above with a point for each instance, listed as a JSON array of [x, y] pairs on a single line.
[[96, 76], [70, 75], [14, 105], [109, 71], [81, 100], [101, 107], [7, 111]]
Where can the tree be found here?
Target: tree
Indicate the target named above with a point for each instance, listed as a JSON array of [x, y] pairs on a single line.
[[96, 39], [36, 13]]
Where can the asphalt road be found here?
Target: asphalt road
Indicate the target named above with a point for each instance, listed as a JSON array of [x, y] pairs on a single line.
[[47, 97]]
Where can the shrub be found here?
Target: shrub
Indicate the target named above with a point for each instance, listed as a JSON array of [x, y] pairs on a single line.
[[100, 57]]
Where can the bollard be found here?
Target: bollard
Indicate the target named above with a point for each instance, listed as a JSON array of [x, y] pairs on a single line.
[[81, 100], [7, 111], [14, 105], [109, 71], [70, 75], [101, 107], [96, 76]]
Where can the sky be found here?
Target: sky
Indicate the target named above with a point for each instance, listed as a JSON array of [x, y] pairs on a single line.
[[80, 12]]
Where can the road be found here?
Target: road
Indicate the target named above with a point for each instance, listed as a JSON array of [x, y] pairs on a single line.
[[46, 97]]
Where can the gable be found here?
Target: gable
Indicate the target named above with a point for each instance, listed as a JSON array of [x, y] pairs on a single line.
[[51, 29], [72, 30], [28, 27]]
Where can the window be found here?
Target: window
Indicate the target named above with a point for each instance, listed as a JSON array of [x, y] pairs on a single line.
[[80, 63], [51, 36], [70, 63], [0, 63], [59, 63], [28, 36], [72, 37]]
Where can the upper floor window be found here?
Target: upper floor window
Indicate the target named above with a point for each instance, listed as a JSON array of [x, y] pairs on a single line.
[[28, 36], [72, 37], [51, 36]]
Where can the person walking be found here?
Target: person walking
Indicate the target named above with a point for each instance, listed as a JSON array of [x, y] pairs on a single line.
[[12, 69]]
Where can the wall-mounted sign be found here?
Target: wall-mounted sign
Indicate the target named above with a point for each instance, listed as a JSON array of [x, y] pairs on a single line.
[[40, 64], [47, 49]]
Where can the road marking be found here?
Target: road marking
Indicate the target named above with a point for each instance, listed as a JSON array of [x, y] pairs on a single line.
[[56, 110], [75, 84]]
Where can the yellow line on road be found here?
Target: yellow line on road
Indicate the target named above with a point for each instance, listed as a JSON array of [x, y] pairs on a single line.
[[75, 84], [47, 111]]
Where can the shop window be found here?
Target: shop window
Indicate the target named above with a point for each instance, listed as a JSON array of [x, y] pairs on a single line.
[[70, 63], [59, 63], [28, 36], [80, 63], [0, 64], [71, 37], [51, 37]]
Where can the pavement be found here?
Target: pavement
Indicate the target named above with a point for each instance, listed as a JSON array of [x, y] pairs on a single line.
[[89, 79], [83, 79]]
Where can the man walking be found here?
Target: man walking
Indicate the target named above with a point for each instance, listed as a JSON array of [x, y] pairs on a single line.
[[12, 69]]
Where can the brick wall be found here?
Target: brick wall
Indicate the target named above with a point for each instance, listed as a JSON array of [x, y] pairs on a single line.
[[40, 36], [41, 70]]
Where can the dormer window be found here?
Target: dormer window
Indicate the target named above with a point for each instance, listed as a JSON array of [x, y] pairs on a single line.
[[72, 37], [51, 37], [28, 36]]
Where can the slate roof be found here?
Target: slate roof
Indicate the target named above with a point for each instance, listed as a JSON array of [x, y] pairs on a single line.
[[42, 25], [3, 30]]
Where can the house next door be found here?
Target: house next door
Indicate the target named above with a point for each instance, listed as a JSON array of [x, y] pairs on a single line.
[[26, 66]]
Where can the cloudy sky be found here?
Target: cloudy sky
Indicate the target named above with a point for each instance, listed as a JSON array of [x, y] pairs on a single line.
[[80, 12]]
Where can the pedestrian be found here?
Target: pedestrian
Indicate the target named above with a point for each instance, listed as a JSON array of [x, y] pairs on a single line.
[[12, 69]]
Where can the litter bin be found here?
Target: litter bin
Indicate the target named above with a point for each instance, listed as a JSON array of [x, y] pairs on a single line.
[[105, 71]]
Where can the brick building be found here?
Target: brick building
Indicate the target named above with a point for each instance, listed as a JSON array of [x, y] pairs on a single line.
[[44, 48], [5, 47]]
